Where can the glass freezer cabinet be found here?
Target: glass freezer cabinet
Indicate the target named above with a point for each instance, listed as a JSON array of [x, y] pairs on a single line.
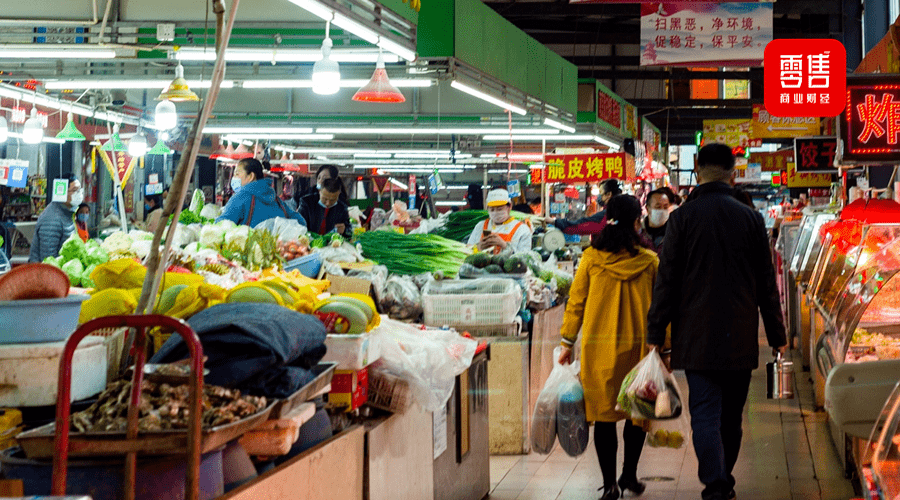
[[880, 470]]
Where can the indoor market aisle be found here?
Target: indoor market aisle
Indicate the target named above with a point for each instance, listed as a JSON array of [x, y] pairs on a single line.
[[787, 454]]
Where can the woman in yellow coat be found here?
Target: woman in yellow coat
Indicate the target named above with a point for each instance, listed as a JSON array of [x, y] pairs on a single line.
[[608, 302]]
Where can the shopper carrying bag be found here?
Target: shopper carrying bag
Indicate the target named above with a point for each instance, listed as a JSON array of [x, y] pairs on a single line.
[[608, 302]]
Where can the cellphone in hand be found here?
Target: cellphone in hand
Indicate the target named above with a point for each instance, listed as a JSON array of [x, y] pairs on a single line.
[[485, 234]]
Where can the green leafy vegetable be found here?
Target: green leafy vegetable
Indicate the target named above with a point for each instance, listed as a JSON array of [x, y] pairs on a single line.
[[411, 254], [73, 270], [73, 248]]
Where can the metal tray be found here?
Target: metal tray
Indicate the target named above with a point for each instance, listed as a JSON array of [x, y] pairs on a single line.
[[324, 372], [38, 443]]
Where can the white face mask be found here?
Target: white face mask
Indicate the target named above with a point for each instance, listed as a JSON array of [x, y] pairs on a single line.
[[318, 187], [499, 217], [77, 198], [236, 184], [658, 216]]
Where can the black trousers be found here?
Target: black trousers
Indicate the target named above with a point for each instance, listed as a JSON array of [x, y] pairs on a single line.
[[717, 401], [607, 444]]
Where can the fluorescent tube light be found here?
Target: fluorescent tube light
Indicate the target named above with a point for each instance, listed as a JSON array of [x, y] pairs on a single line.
[[412, 169], [503, 171], [396, 48], [354, 27], [126, 84], [559, 125], [399, 184], [426, 156], [314, 7], [449, 203], [435, 131], [372, 155], [68, 106], [21, 51], [539, 138], [46, 138], [284, 137], [485, 97], [307, 84], [282, 55], [605, 142], [256, 130]]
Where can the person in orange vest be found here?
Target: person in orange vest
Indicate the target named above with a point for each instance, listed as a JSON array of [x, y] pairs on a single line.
[[500, 230]]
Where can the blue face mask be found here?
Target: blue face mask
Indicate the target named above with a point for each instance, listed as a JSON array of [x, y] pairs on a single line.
[[82, 217], [146, 207], [235, 184]]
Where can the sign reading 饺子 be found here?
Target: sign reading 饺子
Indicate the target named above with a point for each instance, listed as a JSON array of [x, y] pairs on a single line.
[[815, 154], [674, 33], [572, 169], [805, 78], [766, 126], [870, 125]]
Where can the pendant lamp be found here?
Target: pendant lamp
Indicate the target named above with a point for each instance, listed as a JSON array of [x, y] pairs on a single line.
[[241, 152], [33, 130], [138, 146], [115, 144], [70, 132], [220, 153], [166, 115], [4, 129], [178, 90], [159, 148], [379, 88], [326, 75]]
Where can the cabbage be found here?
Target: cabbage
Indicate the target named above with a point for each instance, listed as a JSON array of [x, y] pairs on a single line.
[[96, 255], [140, 235], [86, 280], [212, 236], [226, 224], [73, 269], [197, 201], [236, 239], [211, 211], [141, 248], [73, 248], [53, 261]]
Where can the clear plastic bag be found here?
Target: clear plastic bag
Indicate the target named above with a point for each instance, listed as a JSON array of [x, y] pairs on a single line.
[[544, 419], [649, 391], [571, 419], [670, 433], [401, 298], [283, 229], [428, 359]]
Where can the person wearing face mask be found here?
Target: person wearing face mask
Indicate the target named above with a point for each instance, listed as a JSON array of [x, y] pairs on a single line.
[[325, 211], [500, 230], [658, 204], [82, 215], [254, 199], [595, 223], [152, 211], [56, 224], [322, 174]]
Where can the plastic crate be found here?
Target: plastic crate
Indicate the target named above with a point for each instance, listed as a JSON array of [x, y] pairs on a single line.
[[504, 330], [308, 266], [485, 301]]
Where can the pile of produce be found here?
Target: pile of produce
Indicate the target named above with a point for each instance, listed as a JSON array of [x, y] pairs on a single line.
[[349, 313], [291, 250], [164, 407], [502, 263], [459, 225], [869, 346], [410, 254], [646, 392], [79, 259]]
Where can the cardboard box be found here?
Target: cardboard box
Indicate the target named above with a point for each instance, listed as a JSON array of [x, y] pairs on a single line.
[[346, 284], [349, 389]]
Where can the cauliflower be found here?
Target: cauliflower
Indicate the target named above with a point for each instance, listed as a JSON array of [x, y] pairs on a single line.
[[140, 235], [73, 248], [117, 242], [237, 239], [226, 224], [212, 236], [141, 248]]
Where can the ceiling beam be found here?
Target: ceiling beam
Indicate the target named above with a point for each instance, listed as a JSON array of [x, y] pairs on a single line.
[[511, 10], [755, 74], [690, 103]]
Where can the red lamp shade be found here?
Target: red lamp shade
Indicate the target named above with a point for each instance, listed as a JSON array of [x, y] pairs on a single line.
[[241, 152], [379, 88]]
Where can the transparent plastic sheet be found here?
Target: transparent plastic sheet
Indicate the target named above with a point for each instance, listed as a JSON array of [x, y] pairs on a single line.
[[672, 433], [475, 286], [377, 275], [543, 420], [428, 359], [283, 229], [401, 298], [649, 391]]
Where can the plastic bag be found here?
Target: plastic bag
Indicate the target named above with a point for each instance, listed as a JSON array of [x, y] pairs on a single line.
[[428, 359], [571, 419], [377, 275], [670, 433], [543, 420], [649, 391], [283, 229], [401, 298]]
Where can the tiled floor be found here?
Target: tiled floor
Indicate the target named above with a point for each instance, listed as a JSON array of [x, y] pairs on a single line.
[[787, 454]]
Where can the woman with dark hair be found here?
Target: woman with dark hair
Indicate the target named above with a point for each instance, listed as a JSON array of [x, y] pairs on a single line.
[[608, 189], [82, 216], [475, 197], [618, 273], [254, 199], [324, 173]]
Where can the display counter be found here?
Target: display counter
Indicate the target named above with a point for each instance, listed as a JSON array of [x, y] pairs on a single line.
[[788, 237]]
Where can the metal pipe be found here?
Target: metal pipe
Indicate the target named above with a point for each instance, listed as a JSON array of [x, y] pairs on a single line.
[[105, 18]]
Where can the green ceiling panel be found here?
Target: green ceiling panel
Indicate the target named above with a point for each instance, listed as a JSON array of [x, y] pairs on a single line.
[[436, 34]]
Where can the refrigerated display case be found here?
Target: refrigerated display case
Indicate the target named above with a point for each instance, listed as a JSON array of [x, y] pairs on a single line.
[[879, 471], [785, 245]]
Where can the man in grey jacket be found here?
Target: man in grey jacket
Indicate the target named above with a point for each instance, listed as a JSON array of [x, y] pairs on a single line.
[[56, 224]]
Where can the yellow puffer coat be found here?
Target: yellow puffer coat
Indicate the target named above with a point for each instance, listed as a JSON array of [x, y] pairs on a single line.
[[608, 302]]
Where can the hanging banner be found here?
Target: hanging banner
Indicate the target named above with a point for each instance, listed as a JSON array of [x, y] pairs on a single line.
[[572, 169], [775, 161], [122, 170], [13, 173], [631, 121], [765, 126], [731, 132], [537, 176], [688, 33], [796, 179], [815, 154], [870, 125], [609, 110]]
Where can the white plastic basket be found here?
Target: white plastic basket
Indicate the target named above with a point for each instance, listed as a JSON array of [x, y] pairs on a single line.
[[352, 352], [486, 301]]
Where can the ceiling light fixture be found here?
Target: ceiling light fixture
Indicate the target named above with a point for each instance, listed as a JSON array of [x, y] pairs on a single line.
[[559, 125], [539, 138], [608, 143], [379, 88], [399, 184], [388, 130], [11, 92], [307, 84], [115, 144], [23, 51], [178, 90], [137, 145], [166, 115], [485, 97], [159, 148], [283, 137], [33, 130], [326, 74], [257, 130], [127, 84], [70, 132]]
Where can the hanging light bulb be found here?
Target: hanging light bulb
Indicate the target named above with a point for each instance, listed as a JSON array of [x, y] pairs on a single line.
[[178, 90], [4, 130], [379, 88], [137, 146], [166, 115], [326, 75], [70, 132], [33, 130]]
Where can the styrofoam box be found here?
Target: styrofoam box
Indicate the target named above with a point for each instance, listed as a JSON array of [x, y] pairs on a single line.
[[29, 373], [352, 352]]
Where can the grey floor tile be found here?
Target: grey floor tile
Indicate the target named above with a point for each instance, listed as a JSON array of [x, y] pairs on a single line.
[[805, 489]]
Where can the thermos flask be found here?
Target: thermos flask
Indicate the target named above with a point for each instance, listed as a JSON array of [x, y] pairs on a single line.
[[780, 379]]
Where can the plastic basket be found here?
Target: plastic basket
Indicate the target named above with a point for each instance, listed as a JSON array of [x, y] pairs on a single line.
[[504, 330], [486, 301], [388, 392], [308, 266]]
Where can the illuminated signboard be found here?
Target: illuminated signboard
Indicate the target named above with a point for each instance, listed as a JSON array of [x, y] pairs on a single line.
[[815, 154], [870, 124], [571, 169]]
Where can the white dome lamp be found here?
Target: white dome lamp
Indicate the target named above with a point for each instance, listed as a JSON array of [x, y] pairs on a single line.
[[166, 115], [326, 75], [137, 146], [33, 130], [4, 130]]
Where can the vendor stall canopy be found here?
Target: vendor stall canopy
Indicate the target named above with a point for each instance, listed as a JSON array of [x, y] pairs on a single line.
[[427, 95]]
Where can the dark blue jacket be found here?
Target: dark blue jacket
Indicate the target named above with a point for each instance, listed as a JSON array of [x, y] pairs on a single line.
[[53, 227], [257, 202]]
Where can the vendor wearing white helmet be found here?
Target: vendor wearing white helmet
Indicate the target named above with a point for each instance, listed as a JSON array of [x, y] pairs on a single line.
[[500, 230]]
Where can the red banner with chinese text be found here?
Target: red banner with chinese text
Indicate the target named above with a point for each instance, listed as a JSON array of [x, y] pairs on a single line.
[[572, 169], [775, 161]]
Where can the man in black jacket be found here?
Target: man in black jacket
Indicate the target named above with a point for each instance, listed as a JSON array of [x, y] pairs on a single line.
[[325, 211], [715, 279]]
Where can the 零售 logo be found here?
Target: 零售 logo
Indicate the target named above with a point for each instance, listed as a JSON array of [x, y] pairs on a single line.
[[805, 78]]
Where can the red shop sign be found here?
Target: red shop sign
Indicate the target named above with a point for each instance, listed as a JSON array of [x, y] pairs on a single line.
[[572, 169], [805, 78], [815, 154], [870, 126], [608, 109]]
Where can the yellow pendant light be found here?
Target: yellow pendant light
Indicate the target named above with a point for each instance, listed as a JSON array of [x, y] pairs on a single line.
[[178, 90]]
